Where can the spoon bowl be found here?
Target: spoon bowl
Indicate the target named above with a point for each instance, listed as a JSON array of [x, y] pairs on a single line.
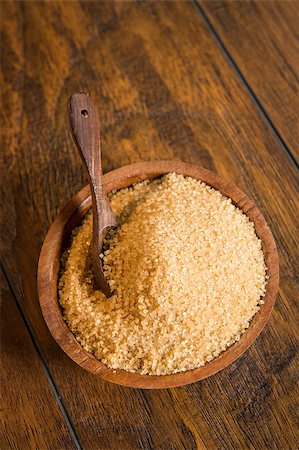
[[58, 238]]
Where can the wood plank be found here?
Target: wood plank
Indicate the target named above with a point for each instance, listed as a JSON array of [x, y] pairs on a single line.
[[164, 90], [30, 414], [263, 39]]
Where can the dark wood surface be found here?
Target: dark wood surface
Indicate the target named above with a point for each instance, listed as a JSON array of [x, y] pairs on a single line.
[[263, 40], [165, 90], [30, 413]]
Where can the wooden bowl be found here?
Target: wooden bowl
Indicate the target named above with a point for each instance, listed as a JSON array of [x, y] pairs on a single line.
[[58, 238]]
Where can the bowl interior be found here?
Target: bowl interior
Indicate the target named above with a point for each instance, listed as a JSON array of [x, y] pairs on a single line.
[[58, 239]]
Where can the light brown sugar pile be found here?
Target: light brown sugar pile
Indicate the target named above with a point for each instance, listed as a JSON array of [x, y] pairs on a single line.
[[187, 273]]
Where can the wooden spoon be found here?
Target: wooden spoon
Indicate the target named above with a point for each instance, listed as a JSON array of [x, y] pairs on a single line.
[[85, 126]]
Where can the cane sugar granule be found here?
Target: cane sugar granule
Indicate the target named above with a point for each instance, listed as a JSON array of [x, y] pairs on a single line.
[[187, 273]]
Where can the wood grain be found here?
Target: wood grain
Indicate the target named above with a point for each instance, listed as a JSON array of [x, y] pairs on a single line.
[[30, 414], [166, 92], [85, 127], [58, 237], [263, 39]]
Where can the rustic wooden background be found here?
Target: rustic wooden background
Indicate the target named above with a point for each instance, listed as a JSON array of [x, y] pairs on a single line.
[[210, 83]]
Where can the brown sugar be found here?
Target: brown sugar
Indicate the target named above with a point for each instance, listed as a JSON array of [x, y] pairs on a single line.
[[187, 273]]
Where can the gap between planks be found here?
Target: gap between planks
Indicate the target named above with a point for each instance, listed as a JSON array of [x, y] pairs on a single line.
[[244, 82], [43, 362]]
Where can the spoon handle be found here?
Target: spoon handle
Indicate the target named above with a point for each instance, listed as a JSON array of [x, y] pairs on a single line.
[[85, 126]]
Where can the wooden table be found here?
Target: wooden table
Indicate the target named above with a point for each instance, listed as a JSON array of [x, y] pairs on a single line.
[[211, 83]]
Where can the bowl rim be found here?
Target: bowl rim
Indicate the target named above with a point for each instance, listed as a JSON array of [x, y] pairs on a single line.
[[68, 218]]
